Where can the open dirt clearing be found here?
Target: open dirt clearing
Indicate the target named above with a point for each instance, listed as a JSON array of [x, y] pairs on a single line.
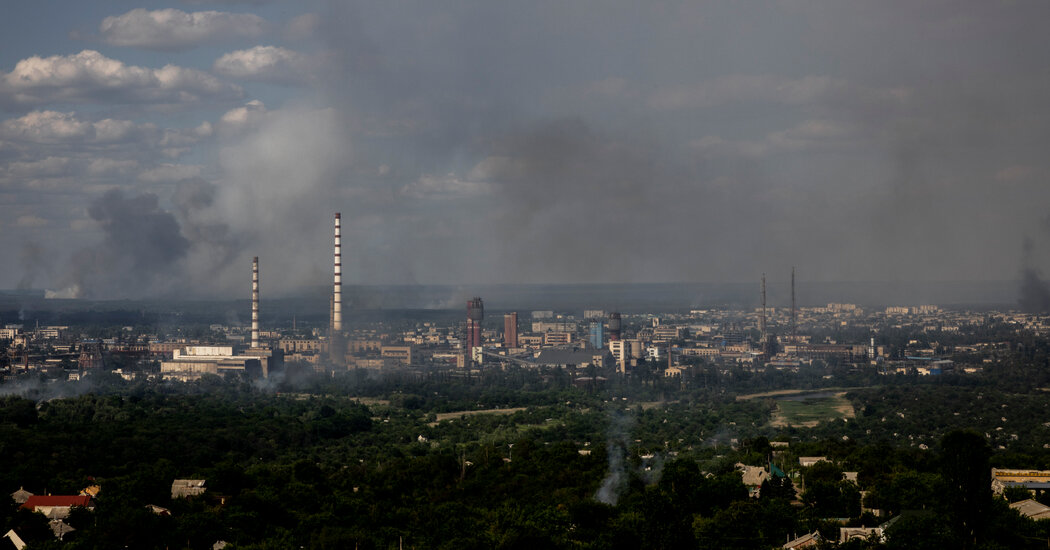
[[457, 414]]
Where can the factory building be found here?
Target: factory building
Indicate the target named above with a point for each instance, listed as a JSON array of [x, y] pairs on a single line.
[[192, 362], [560, 338]]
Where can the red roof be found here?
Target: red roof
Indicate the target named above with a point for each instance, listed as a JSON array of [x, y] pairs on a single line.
[[56, 500]]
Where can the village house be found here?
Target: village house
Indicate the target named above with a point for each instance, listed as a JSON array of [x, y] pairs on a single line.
[[183, 488], [57, 506]]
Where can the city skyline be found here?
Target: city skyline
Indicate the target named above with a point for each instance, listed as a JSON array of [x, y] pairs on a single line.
[[154, 151]]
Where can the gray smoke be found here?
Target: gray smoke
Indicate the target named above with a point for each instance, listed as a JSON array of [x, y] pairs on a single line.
[[148, 251], [1035, 293], [480, 142], [35, 263], [39, 390], [141, 246], [618, 439]]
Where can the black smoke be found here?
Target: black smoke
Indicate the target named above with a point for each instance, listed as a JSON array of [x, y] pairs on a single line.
[[139, 254], [1035, 293]]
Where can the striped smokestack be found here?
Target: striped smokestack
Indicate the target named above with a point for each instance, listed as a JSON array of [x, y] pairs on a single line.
[[255, 302], [337, 291]]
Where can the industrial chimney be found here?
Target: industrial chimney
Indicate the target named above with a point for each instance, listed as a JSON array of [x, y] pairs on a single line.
[[762, 319], [336, 346], [615, 325], [255, 302], [475, 313], [337, 290], [794, 313]]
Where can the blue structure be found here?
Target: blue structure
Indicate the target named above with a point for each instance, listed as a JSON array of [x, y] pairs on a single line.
[[597, 335]]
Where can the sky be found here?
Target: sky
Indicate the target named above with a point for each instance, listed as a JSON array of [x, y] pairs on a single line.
[[153, 148]]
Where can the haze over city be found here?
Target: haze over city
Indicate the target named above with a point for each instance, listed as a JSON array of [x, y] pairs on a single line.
[[154, 151]]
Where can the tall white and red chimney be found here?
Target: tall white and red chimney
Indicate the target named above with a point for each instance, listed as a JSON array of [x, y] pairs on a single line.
[[337, 290], [255, 302]]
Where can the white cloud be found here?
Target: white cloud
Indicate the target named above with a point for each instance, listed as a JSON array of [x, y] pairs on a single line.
[[172, 29], [68, 132], [264, 63], [303, 26], [90, 77], [812, 134], [107, 166], [45, 167], [741, 87], [30, 220], [46, 127], [808, 135], [447, 186], [245, 116], [52, 127], [715, 146], [498, 168], [57, 169], [166, 173]]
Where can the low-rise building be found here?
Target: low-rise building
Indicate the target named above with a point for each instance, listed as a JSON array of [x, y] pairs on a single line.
[[812, 540], [1032, 509], [192, 362], [57, 506], [397, 354], [1033, 480], [183, 488]]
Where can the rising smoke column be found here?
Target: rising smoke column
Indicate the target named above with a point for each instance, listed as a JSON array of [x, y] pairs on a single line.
[[1035, 294], [617, 440], [147, 250], [141, 247]]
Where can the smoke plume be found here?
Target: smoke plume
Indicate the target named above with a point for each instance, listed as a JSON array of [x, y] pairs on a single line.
[[141, 244], [35, 263], [616, 446], [1035, 293]]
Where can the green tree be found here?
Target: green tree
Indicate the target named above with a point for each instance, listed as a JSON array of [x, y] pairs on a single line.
[[967, 475]]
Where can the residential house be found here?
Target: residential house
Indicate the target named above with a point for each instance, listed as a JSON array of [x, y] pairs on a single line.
[[753, 476], [21, 496], [57, 506], [1032, 509], [812, 540], [183, 488]]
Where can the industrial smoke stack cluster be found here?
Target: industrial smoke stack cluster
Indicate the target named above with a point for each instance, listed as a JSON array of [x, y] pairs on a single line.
[[255, 302]]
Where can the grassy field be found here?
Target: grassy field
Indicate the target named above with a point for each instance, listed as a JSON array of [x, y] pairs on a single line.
[[808, 412]]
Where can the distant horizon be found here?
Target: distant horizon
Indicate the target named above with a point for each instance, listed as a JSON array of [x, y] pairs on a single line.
[[607, 296]]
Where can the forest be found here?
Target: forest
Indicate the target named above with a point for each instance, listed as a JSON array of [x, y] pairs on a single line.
[[361, 461]]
